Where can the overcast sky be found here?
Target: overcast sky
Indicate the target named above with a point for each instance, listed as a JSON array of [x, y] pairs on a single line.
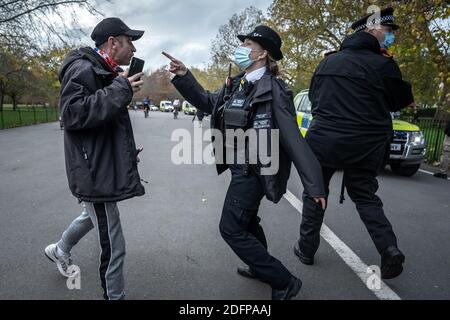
[[183, 28]]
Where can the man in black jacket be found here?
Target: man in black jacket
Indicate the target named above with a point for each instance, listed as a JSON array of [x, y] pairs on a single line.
[[100, 152], [352, 93], [445, 159]]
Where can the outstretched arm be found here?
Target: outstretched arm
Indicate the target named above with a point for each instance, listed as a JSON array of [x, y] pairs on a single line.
[[306, 163], [189, 87]]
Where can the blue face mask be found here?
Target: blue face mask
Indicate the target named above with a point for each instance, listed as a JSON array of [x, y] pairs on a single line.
[[389, 39], [242, 57]]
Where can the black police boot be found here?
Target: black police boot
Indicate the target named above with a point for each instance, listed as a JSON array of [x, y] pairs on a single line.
[[245, 271], [392, 261], [440, 175], [292, 289], [309, 261]]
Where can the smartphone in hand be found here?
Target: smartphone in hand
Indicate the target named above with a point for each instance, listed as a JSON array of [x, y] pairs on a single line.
[[136, 66]]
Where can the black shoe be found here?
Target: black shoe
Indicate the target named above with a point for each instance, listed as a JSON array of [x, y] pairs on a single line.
[[309, 261], [292, 289], [392, 261], [440, 175], [246, 272]]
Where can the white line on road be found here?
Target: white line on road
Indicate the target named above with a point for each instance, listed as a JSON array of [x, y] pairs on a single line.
[[430, 173], [347, 254]]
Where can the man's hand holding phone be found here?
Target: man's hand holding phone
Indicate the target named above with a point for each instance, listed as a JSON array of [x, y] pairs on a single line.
[[134, 73], [135, 80]]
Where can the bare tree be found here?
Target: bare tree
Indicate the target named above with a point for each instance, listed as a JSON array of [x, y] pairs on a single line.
[[35, 24], [226, 41], [158, 87]]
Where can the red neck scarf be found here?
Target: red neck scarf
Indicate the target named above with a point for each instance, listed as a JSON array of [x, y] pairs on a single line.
[[109, 61]]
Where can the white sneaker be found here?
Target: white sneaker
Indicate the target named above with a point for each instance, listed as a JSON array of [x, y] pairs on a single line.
[[62, 262]]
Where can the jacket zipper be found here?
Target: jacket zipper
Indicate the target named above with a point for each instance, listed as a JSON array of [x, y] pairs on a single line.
[[86, 158]]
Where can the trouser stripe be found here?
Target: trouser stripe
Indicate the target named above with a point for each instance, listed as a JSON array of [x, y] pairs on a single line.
[[105, 244]]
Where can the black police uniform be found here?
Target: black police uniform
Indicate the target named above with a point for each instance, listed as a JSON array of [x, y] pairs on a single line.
[[352, 93], [270, 105]]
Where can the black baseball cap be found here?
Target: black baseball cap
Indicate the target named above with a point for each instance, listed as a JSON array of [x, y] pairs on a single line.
[[113, 27]]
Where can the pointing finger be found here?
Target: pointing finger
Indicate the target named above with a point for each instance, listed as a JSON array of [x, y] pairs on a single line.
[[169, 56]]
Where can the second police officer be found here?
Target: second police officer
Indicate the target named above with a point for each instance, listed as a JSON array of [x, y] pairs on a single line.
[[252, 99], [352, 93]]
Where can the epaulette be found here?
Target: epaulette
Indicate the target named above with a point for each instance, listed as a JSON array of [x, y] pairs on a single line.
[[385, 53], [283, 85]]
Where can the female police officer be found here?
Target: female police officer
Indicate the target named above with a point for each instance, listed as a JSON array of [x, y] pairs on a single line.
[[251, 101]]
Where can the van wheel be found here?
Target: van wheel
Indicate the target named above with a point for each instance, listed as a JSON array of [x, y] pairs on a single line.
[[405, 171]]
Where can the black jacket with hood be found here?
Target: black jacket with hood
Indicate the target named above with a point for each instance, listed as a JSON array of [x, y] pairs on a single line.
[[352, 94], [100, 151]]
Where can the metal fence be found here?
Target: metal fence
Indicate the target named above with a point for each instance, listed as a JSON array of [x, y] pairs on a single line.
[[433, 131], [27, 115]]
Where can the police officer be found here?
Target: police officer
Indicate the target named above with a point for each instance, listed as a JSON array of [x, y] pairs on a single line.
[[251, 101], [352, 93]]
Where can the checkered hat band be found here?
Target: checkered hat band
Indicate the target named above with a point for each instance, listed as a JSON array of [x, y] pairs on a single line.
[[375, 22]]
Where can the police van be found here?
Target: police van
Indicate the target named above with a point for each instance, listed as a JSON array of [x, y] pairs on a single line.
[[408, 147], [188, 108], [166, 106]]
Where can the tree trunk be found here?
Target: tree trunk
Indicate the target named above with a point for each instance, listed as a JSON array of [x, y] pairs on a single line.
[[2, 99], [14, 101], [2, 95]]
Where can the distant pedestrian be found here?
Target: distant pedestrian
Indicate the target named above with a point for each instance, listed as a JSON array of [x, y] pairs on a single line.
[[445, 159]]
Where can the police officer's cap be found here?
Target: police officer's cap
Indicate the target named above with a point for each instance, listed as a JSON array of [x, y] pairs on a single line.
[[384, 17], [113, 27], [267, 38]]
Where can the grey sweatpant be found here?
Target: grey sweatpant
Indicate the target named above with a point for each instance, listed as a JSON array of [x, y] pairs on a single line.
[[105, 218]]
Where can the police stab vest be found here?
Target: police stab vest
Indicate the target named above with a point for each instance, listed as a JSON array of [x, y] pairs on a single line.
[[238, 110]]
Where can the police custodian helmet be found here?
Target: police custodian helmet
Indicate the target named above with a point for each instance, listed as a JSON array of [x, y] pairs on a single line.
[[385, 18]]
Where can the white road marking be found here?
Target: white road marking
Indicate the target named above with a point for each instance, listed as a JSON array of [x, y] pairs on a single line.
[[430, 173], [347, 254]]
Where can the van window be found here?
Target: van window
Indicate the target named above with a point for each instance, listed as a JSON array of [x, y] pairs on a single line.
[[298, 102], [306, 104]]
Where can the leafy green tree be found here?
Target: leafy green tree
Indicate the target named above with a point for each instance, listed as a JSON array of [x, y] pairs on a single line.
[[423, 50], [311, 28]]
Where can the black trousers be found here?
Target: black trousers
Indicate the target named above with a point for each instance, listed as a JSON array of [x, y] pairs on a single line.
[[361, 186], [240, 228]]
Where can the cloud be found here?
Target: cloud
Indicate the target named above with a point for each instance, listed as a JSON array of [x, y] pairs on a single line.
[[184, 28]]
